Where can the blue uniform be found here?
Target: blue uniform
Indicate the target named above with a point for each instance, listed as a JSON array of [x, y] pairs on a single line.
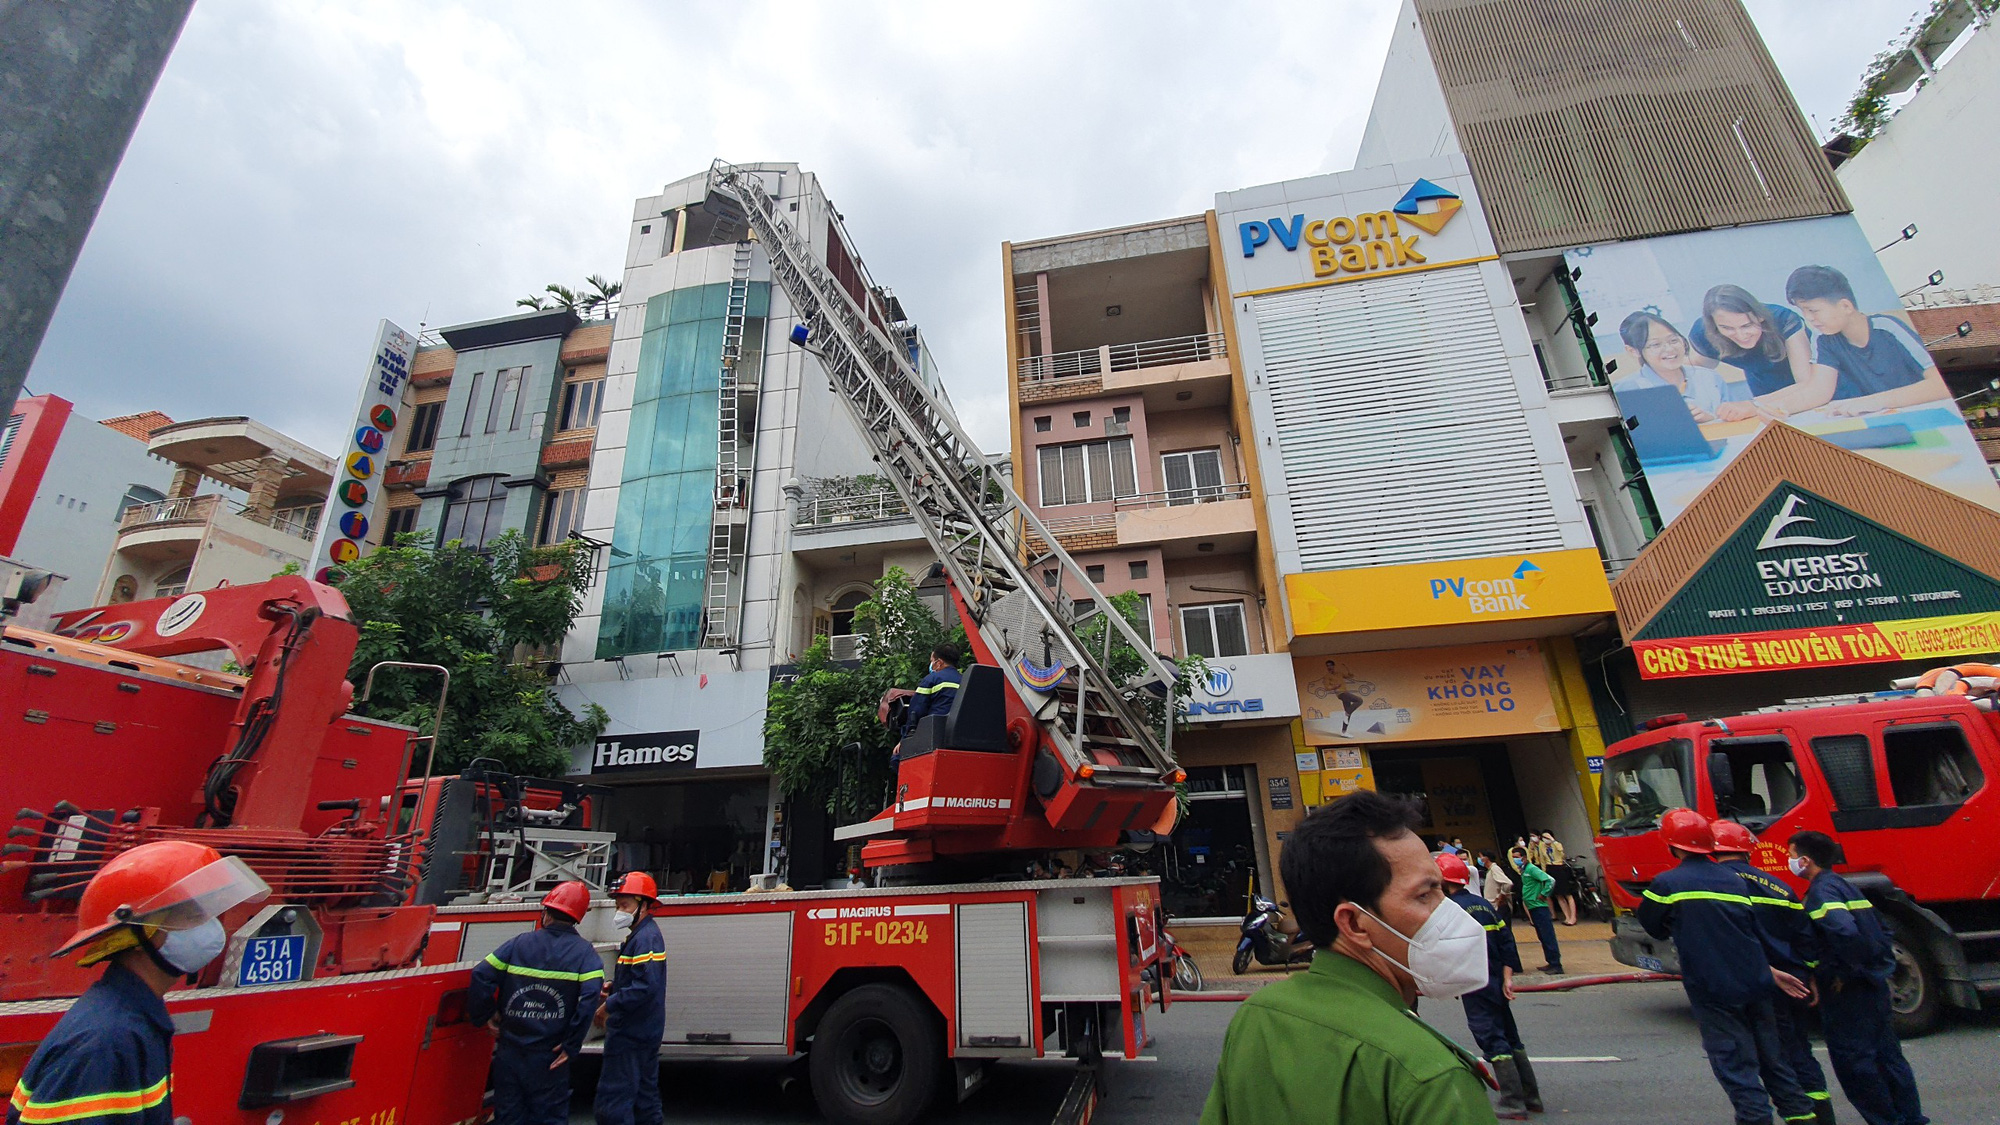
[[544, 985], [1856, 959], [1787, 935], [628, 1092], [1726, 970], [934, 695], [106, 1062], [1490, 1016]]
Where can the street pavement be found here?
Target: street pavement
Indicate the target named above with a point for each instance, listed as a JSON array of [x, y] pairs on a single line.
[[1632, 1049]]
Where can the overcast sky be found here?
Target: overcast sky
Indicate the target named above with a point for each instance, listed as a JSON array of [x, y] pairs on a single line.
[[305, 169]]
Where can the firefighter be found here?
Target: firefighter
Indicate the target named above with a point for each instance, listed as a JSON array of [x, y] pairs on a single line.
[[154, 912], [1726, 971], [634, 1014], [1489, 1011], [937, 689], [539, 990], [1787, 938], [1856, 960]]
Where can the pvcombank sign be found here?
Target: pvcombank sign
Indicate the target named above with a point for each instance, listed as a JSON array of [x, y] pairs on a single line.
[[1331, 229]]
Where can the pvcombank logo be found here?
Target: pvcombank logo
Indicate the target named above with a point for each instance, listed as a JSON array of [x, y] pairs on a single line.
[[1367, 243]]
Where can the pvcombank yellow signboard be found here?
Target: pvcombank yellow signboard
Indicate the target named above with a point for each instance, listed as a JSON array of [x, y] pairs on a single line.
[[1454, 592]]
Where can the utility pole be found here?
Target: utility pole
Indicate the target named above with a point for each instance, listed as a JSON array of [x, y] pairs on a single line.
[[74, 77]]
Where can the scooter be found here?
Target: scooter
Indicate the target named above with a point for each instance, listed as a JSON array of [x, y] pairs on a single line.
[[1263, 940], [1187, 974]]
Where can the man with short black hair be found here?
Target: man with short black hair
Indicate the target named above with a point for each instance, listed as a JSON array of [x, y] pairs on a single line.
[[1856, 960], [938, 687], [1341, 1042]]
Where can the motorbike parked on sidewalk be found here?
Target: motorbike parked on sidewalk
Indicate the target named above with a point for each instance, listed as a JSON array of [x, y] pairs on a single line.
[[1591, 900], [1186, 974], [1263, 940]]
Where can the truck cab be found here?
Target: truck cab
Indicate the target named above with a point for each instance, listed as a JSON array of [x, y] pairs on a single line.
[[1901, 782]]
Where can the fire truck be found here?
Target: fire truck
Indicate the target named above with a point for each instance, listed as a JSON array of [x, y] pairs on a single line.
[[1898, 778], [342, 998]]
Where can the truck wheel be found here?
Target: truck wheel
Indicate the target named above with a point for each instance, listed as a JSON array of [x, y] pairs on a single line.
[[1913, 988], [876, 1058]]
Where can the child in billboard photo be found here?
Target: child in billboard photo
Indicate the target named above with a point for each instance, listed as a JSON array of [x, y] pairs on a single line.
[[1880, 362], [1768, 343], [1659, 356]]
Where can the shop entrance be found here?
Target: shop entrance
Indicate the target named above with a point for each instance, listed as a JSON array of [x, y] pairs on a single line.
[[1207, 866], [1464, 791], [692, 835]]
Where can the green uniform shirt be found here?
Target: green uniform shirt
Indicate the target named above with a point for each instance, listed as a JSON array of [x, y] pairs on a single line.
[[1535, 886], [1337, 1044]]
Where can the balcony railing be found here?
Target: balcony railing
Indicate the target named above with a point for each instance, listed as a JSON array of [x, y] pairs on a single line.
[[1094, 362], [201, 509], [1177, 497], [863, 508]]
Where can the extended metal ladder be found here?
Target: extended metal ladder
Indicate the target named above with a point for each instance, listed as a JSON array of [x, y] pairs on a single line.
[[728, 536], [1016, 579]]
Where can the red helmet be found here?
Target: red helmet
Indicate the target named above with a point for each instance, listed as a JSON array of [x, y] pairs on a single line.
[[638, 883], [1732, 837], [1453, 869], [571, 899], [164, 885], [1687, 830]]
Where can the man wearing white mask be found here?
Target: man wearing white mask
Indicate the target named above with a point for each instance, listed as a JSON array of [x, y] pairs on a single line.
[[1342, 1042], [634, 1014], [155, 913]]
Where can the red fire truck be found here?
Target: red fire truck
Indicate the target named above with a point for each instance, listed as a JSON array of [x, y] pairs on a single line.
[[1900, 780], [342, 998]]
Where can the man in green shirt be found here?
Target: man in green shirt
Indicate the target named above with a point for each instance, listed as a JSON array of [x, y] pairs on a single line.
[[1341, 1043], [1535, 886]]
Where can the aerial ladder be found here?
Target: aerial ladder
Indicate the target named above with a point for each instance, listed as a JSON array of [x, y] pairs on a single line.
[[1046, 748]]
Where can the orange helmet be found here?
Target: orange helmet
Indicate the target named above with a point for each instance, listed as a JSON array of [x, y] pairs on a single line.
[[1732, 837], [164, 885], [638, 883], [1687, 830], [1453, 869], [571, 899]]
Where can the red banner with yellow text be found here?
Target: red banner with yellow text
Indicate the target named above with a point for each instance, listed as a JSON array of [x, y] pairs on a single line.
[[1880, 642]]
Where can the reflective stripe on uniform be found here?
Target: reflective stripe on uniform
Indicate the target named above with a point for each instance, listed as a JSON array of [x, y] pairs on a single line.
[[1856, 904], [1687, 896], [1496, 926], [935, 688], [544, 974], [1759, 900], [642, 958], [89, 1105]]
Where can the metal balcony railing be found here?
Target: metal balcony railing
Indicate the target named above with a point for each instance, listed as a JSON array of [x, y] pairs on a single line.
[[202, 509], [1176, 497], [863, 508], [1094, 362]]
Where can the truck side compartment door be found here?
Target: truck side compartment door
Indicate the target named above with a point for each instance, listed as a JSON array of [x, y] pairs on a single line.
[[726, 978], [995, 1005]]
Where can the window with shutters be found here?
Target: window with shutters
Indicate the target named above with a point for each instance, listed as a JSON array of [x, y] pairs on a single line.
[[402, 521], [1193, 476], [1214, 630], [1087, 472], [7, 437]]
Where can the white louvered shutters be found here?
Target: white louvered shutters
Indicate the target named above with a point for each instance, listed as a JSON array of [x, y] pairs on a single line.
[[1399, 424]]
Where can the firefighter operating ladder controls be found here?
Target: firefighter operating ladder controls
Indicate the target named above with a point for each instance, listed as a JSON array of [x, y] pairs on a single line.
[[1095, 762]]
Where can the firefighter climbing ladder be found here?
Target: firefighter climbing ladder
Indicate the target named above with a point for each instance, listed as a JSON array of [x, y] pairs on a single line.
[[728, 536], [1020, 585]]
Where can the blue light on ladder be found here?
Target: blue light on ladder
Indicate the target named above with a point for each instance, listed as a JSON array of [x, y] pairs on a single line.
[[800, 333]]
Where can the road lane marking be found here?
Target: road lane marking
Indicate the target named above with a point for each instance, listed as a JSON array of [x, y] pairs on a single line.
[[1575, 1058]]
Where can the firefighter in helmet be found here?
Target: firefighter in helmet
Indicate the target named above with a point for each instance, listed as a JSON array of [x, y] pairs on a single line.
[[154, 913], [634, 1013], [1489, 1010], [539, 990]]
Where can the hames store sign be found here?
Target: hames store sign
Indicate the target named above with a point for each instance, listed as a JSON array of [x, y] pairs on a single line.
[[659, 751]]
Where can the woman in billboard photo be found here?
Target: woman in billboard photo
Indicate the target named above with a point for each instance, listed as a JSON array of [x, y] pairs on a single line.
[[1660, 355], [1768, 343]]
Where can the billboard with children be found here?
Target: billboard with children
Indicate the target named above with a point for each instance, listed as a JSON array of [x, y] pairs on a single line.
[[1711, 336]]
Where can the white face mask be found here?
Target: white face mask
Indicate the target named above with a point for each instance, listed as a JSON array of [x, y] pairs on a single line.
[[622, 920], [190, 951], [1447, 953], [1798, 865]]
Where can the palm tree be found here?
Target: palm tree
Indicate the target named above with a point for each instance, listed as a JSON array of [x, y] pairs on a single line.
[[563, 297], [533, 301], [605, 293]]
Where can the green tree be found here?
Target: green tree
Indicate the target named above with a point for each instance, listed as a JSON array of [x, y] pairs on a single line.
[[602, 297], [482, 614]]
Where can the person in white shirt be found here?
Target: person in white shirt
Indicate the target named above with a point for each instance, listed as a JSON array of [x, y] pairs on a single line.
[[1497, 885]]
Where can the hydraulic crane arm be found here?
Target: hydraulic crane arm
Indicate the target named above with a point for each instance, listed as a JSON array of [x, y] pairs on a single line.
[[1032, 608]]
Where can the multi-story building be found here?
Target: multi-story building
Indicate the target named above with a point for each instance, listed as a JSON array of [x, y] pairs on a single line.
[[734, 498], [269, 493], [1722, 354], [1130, 439], [65, 486]]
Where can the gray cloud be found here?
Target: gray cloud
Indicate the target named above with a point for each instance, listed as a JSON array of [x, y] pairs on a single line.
[[308, 168]]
